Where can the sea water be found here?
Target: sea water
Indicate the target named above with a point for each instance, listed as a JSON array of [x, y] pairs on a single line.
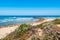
[[10, 20]]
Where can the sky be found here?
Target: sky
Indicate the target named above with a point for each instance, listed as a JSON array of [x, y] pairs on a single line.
[[29, 7]]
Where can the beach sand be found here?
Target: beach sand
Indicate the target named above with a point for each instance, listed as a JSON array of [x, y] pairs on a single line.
[[7, 30], [37, 23]]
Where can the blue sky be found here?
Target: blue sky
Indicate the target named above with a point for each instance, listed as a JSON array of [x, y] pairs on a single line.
[[29, 7]]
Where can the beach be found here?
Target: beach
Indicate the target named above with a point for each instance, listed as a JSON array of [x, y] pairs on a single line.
[[7, 30], [4, 31]]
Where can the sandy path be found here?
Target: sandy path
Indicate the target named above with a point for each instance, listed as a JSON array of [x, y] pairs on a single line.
[[6, 30]]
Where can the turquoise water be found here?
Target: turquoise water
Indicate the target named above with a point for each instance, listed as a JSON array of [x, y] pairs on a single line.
[[10, 20]]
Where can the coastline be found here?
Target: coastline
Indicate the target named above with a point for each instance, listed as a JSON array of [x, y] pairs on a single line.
[[6, 30]]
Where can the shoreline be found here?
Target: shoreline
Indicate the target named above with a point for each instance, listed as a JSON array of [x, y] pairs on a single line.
[[10, 25]]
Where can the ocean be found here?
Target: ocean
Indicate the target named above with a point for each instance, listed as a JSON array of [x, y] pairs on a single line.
[[10, 20]]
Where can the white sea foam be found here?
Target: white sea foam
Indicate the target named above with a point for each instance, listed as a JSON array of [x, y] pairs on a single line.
[[17, 19], [2, 21], [24, 19]]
